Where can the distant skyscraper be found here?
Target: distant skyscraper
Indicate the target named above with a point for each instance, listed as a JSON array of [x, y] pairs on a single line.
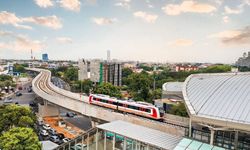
[[31, 54], [108, 56], [45, 57]]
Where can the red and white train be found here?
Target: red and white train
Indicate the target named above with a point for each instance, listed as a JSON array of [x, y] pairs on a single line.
[[137, 108]]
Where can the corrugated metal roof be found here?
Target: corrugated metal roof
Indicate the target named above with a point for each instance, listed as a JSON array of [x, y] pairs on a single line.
[[142, 134], [220, 96], [172, 86]]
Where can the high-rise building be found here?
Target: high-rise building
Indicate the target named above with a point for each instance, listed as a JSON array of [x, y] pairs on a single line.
[[243, 61], [100, 71], [45, 57], [108, 56]]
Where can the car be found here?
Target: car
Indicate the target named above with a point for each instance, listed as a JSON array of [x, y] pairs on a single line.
[[61, 136], [29, 90], [70, 114], [52, 131], [8, 100], [54, 139], [32, 104], [46, 126], [65, 140], [19, 94], [78, 146], [40, 122], [43, 133]]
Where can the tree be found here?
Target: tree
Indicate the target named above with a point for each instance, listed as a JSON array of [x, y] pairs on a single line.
[[84, 86], [217, 69], [156, 94], [71, 74], [15, 116], [5, 77], [179, 110], [108, 89], [139, 86], [18, 68], [146, 68], [20, 138], [126, 72]]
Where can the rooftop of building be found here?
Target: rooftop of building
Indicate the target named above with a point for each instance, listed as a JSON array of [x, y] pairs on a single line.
[[146, 135], [221, 99], [172, 86]]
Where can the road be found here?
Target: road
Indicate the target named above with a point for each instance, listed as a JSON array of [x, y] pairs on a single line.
[[25, 98]]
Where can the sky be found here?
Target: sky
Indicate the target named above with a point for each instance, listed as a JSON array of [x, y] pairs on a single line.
[[216, 31]]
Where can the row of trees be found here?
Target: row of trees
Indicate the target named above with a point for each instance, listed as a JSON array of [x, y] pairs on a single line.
[[17, 130]]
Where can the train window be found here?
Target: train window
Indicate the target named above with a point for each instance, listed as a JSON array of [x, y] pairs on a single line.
[[103, 101], [120, 104], [133, 107], [148, 110]]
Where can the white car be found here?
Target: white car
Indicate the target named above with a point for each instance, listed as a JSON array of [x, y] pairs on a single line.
[[8, 100], [65, 140], [43, 133], [46, 126]]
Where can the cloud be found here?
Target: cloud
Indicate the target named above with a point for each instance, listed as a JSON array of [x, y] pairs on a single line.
[[73, 5], [5, 33], [240, 36], [123, 3], [229, 10], [49, 21], [20, 42], [104, 21], [150, 18], [181, 42], [10, 18], [64, 40], [44, 3], [188, 6], [225, 19]]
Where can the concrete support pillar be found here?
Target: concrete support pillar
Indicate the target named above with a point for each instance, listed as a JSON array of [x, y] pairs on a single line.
[[114, 141], [88, 142], [212, 137], [190, 128], [96, 139], [48, 110], [93, 124], [236, 136], [105, 140], [45, 102]]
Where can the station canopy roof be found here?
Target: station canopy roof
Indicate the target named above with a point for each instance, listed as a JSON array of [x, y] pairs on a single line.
[[188, 144], [222, 99], [146, 135]]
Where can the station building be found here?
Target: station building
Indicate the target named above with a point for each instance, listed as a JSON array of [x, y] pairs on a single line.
[[219, 109]]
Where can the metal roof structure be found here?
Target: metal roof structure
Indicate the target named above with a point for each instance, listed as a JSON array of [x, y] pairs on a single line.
[[221, 99], [172, 86], [188, 144], [142, 134]]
